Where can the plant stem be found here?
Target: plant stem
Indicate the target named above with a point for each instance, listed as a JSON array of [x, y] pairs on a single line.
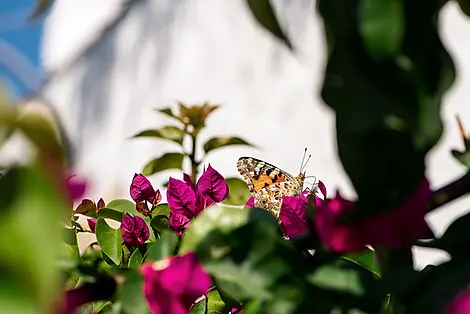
[[192, 157], [450, 192]]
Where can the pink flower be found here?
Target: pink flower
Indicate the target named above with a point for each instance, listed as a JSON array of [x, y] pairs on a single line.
[[460, 304], [173, 285], [393, 229], [75, 187], [141, 190], [187, 200], [134, 230]]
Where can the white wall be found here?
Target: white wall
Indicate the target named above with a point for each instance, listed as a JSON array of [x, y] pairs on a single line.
[[165, 51]]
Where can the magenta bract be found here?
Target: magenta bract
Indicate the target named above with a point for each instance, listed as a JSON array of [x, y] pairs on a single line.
[[174, 284], [212, 184], [134, 230], [91, 224], [141, 189], [460, 304], [392, 229], [187, 200], [75, 187]]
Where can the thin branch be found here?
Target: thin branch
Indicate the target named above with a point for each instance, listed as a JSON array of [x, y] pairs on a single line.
[[450, 192]]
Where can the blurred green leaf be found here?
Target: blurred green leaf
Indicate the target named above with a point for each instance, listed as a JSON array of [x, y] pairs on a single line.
[[382, 26], [111, 214], [367, 93], [70, 238], [237, 247], [171, 133], [130, 295], [200, 307], [165, 162], [13, 297], [264, 14], [168, 112], [218, 142], [343, 280], [455, 239], [441, 285], [239, 193], [136, 259], [40, 130], [29, 206], [163, 247], [110, 240], [462, 157], [160, 223]]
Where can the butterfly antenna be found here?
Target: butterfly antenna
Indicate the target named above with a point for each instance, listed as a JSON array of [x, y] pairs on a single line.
[[305, 165], [303, 159]]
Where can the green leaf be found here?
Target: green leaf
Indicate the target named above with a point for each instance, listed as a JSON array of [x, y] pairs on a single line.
[[164, 247], [111, 214], [331, 277], [382, 26], [239, 192], [122, 205], [130, 294], [387, 110], [455, 239], [462, 157], [238, 247], [441, 285], [160, 223], [171, 133], [136, 259], [168, 112], [162, 209], [264, 14], [365, 259], [30, 241], [110, 240], [13, 297], [200, 307], [215, 304], [165, 162], [218, 142], [70, 238]]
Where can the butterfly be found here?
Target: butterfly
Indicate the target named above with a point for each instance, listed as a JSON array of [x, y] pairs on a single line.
[[268, 183]]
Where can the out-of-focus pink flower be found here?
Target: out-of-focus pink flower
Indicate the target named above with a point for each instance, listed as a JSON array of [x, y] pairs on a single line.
[[337, 236], [393, 229], [405, 224], [134, 230], [187, 200], [75, 187], [172, 285], [460, 304], [92, 224]]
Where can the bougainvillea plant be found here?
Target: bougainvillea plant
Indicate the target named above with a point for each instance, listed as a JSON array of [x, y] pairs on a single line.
[[385, 76]]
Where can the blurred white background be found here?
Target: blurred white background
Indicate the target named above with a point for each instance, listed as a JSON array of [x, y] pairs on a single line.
[[113, 62]]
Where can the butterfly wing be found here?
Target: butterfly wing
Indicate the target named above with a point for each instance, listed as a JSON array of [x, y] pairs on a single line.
[[267, 183]]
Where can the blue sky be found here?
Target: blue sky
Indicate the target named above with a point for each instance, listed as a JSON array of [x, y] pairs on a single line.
[[19, 47]]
